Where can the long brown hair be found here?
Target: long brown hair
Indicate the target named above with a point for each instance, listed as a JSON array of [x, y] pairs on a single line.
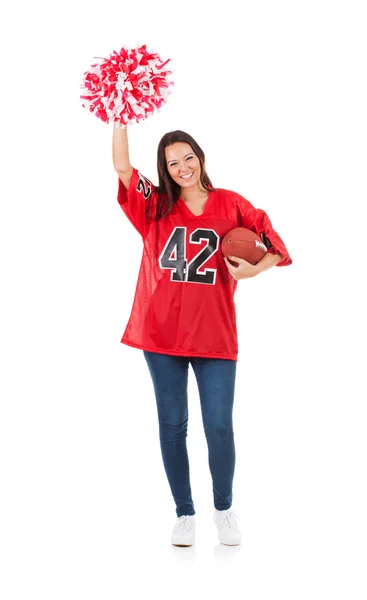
[[168, 191]]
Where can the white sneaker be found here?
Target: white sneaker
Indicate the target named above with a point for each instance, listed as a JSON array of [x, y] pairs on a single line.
[[183, 533], [227, 525]]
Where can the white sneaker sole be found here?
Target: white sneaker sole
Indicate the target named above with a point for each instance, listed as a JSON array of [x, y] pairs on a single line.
[[182, 545], [229, 544], [183, 542]]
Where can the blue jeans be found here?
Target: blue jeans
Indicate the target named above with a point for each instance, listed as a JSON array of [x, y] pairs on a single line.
[[216, 384]]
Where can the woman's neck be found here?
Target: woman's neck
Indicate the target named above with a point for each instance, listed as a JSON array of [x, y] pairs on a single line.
[[193, 194]]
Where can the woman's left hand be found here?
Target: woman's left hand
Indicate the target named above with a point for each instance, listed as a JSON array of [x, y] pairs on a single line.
[[244, 269]]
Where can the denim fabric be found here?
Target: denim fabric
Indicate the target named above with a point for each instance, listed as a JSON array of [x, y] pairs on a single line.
[[216, 384]]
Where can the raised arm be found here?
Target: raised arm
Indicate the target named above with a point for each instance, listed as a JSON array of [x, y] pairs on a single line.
[[120, 154]]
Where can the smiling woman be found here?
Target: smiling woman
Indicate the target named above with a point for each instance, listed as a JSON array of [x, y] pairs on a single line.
[[182, 163], [181, 171], [184, 312], [184, 168]]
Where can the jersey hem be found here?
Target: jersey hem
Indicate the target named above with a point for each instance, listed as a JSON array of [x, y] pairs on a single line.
[[177, 353]]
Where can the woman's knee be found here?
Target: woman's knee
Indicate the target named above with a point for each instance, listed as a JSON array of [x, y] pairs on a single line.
[[170, 431], [219, 434]]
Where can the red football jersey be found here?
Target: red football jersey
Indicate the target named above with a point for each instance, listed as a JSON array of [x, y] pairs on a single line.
[[184, 299]]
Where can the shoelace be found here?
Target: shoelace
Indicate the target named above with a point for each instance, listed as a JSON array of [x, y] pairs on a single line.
[[228, 520], [183, 523]]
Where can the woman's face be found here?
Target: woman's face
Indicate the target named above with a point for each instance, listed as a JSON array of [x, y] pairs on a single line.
[[183, 165]]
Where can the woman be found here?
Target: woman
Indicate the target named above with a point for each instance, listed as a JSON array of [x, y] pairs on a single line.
[[184, 312]]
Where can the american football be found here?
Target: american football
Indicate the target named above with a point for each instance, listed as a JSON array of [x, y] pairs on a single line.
[[243, 243]]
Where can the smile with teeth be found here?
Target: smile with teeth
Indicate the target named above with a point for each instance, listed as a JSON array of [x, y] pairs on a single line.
[[187, 176]]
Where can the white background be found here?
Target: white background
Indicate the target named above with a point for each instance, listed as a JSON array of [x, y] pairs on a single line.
[[275, 94]]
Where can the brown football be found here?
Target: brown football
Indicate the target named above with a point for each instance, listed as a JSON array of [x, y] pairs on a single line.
[[243, 243]]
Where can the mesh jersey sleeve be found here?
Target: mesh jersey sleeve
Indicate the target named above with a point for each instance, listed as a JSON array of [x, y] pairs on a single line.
[[133, 201], [257, 220]]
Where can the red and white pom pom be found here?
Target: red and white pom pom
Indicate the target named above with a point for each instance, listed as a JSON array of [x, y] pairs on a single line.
[[127, 87]]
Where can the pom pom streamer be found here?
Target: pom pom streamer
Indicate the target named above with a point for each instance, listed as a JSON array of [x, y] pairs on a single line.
[[127, 87]]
